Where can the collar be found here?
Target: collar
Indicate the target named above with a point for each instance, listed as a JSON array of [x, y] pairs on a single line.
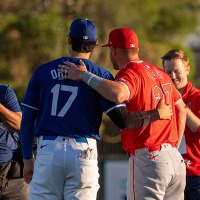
[[133, 61], [187, 90]]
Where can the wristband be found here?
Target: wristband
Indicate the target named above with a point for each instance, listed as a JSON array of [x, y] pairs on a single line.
[[146, 118], [91, 80]]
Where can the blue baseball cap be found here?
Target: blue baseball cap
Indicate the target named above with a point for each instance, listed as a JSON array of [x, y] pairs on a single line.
[[83, 29]]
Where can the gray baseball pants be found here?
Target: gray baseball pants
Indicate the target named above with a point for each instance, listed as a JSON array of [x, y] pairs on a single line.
[[157, 175]]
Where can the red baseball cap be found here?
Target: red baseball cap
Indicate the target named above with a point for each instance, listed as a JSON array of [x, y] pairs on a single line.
[[124, 38]]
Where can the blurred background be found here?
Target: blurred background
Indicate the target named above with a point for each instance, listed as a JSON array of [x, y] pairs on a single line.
[[34, 32]]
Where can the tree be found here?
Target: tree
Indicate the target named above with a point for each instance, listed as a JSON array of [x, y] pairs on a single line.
[[33, 32]]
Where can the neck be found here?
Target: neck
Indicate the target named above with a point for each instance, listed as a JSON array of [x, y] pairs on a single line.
[[128, 59], [79, 55], [125, 56], [76, 54], [181, 90]]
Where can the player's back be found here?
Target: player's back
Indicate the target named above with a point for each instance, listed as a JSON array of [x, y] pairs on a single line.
[[149, 85], [66, 107]]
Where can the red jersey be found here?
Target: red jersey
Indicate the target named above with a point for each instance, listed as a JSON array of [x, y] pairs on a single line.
[[148, 84], [191, 97]]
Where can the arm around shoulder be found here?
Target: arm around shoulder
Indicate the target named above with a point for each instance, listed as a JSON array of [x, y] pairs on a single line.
[[111, 90], [125, 120]]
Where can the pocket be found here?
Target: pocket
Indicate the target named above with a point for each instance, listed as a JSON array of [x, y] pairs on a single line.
[[4, 168], [43, 166], [87, 172], [44, 159], [156, 167], [15, 171], [44, 155]]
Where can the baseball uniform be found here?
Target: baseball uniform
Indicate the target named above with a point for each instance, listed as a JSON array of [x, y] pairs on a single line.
[[156, 168], [191, 96], [69, 115]]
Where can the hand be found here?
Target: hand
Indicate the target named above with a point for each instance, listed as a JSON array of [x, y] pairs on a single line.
[[28, 170], [165, 111], [72, 71]]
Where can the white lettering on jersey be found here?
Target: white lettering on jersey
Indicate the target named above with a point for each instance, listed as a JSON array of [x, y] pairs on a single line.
[[165, 93], [55, 74], [155, 74], [56, 91]]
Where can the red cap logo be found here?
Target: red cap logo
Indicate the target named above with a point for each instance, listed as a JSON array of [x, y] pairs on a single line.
[[124, 38]]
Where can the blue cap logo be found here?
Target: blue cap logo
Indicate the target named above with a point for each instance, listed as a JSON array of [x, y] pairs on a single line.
[[83, 29]]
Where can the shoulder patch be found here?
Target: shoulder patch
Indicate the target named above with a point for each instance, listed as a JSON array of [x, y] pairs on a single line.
[[121, 79]]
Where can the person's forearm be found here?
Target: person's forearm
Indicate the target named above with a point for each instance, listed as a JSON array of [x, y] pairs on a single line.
[[111, 90], [124, 119], [10, 119], [192, 120], [181, 122]]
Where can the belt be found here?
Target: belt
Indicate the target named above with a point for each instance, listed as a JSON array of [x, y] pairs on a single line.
[[131, 152], [80, 139]]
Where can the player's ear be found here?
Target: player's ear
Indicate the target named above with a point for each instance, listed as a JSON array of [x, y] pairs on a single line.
[[113, 50], [95, 44], [69, 40], [187, 69]]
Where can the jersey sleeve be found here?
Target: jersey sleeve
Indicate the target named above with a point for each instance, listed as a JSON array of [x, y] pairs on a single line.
[[198, 110], [130, 79], [10, 100], [176, 94], [27, 126], [31, 98], [106, 104]]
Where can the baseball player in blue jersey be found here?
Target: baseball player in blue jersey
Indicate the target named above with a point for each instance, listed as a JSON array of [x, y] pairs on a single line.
[[66, 116]]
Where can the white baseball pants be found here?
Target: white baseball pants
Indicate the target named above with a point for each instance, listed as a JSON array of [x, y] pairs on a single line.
[[65, 170]]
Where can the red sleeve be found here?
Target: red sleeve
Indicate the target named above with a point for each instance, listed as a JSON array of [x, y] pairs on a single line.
[[129, 77], [176, 94], [198, 130]]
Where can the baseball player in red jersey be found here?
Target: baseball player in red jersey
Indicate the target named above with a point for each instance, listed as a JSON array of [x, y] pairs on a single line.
[[176, 64], [156, 168]]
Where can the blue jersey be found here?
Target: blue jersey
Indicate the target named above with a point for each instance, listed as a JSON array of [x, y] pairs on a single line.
[[66, 108], [7, 144]]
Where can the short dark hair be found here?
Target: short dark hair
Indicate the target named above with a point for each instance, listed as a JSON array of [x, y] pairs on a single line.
[[82, 46], [176, 54]]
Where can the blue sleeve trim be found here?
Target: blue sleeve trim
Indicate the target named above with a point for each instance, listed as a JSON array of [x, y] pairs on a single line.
[[114, 107]]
